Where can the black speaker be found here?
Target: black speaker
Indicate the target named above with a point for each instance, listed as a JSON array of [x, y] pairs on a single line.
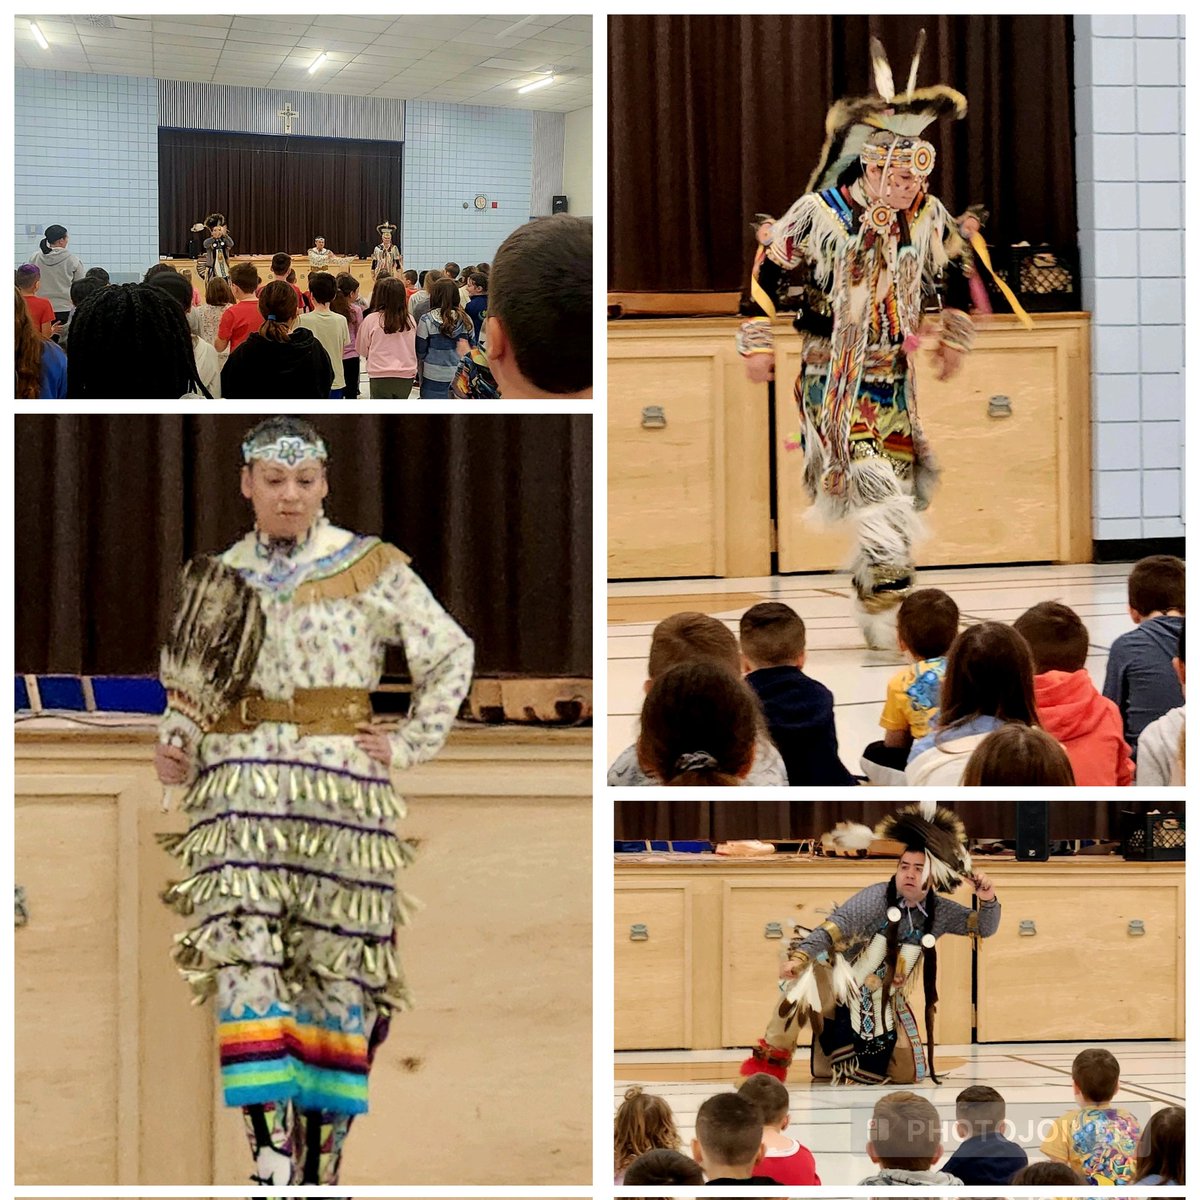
[[558, 204], [1033, 830]]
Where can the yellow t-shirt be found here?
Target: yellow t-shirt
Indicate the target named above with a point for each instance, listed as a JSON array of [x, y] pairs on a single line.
[[1100, 1143], [913, 695]]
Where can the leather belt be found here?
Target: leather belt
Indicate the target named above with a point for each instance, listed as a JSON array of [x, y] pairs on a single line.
[[314, 711]]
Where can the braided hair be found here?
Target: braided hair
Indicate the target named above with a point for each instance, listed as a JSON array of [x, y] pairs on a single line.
[[929, 969], [142, 321]]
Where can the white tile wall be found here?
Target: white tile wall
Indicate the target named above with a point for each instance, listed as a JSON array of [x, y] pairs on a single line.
[[86, 156], [1129, 164]]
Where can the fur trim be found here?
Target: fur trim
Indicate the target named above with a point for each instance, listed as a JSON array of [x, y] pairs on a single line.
[[849, 835], [943, 838]]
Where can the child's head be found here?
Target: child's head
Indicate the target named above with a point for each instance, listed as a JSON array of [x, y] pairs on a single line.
[[1044, 1174], [98, 273], [699, 725], [687, 637], [989, 672], [770, 1097], [347, 285], [1096, 1075], [28, 279], [643, 1123], [1017, 755], [81, 289], [979, 1110], [905, 1132], [1180, 661], [771, 635], [217, 292], [278, 305], [1156, 585], [1057, 638], [728, 1138], [661, 1168], [281, 264], [322, 286], [1161, 1148], [926, 623], [244, 278]]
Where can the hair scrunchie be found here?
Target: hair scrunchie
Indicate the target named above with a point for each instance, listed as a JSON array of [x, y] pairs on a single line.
[[272, 318], [697, 760]]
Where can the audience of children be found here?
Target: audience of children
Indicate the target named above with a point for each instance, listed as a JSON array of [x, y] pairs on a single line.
[[1097, 1139], [729, 1141], [784, 1158], [1069, 707], [926, 625], [644, 1123], [695, 637], [739, 1137], [798, 709], [1140, 679], [1161, 745], [1017, 755], [699, 725], [986, 1157]]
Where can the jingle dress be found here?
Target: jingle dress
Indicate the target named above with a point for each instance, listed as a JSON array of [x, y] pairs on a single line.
[[290, 854]]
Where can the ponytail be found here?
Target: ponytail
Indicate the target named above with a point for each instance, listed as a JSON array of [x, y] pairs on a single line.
[[278, 304]]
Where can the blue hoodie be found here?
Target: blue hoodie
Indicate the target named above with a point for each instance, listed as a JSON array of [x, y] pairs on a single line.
[[1140, 679], [987, 1160]]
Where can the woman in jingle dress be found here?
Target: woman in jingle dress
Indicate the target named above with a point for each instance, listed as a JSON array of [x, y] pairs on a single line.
[[290, 857]]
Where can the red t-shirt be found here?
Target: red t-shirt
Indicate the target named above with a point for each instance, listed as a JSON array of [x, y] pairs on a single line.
[[238, 322], [40, 309], [798, 1169]]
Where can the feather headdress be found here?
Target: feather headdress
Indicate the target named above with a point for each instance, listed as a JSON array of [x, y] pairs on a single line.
[[851, 122], [939, 833]]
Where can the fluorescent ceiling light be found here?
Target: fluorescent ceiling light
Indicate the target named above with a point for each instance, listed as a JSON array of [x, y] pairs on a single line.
[[41, 37], [537, 83], [513, 28], [318, 61]]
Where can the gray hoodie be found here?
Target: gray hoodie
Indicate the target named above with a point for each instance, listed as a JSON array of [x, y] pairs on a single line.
[[59, 268], [894, 1177]]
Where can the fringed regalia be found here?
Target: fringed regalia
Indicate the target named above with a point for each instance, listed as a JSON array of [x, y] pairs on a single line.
[[862, 274], [290, 857], [858, 969]]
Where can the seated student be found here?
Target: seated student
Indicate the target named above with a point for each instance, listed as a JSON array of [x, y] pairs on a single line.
[[1139, 679], [1047, 1174], [799, 710], [905, 1140], [1017, 755], [989, 681], [275, 362], [538, 328], [986, 1157], [693, 637], [643, 1123], [329, 328], [208, 361], [1069, 707], [1161, 753], [728, 1142], [662, 1168], [926, 624], [1097, 1139], [40, 366], [242, 318], [699, 723], [785, 1159], [41, 311], [1160, 1156]]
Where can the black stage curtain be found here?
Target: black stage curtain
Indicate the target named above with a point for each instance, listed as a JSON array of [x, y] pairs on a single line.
[[277, 192], [787, 820], [712, 119], [495, 511]]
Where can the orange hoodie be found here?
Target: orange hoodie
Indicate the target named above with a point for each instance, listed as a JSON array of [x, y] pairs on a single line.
[[1088, 726]]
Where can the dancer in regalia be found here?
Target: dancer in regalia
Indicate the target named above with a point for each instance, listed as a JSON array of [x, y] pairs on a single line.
[[290, 860], [867, 244], [851, 978], [217, 248], [386, 259]]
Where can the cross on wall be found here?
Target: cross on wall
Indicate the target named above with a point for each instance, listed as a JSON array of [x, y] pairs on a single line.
[[287, 113]]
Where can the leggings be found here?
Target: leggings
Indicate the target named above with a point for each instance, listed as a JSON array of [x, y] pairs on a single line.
[[313, 1141]]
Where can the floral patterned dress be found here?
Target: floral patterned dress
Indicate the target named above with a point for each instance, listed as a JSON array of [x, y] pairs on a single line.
[[291, 856]]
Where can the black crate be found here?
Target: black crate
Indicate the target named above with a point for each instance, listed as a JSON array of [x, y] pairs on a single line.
[[1044, 278], [1153, 837]]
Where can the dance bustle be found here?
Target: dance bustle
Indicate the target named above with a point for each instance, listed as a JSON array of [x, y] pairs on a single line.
[[214, 641]]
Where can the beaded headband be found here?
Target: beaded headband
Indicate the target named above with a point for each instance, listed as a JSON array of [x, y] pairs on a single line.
[[287, 451], [909, 154]]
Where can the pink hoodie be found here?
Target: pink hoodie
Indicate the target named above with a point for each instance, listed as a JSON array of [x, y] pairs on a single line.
[[1088, 726], [390, 355]]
